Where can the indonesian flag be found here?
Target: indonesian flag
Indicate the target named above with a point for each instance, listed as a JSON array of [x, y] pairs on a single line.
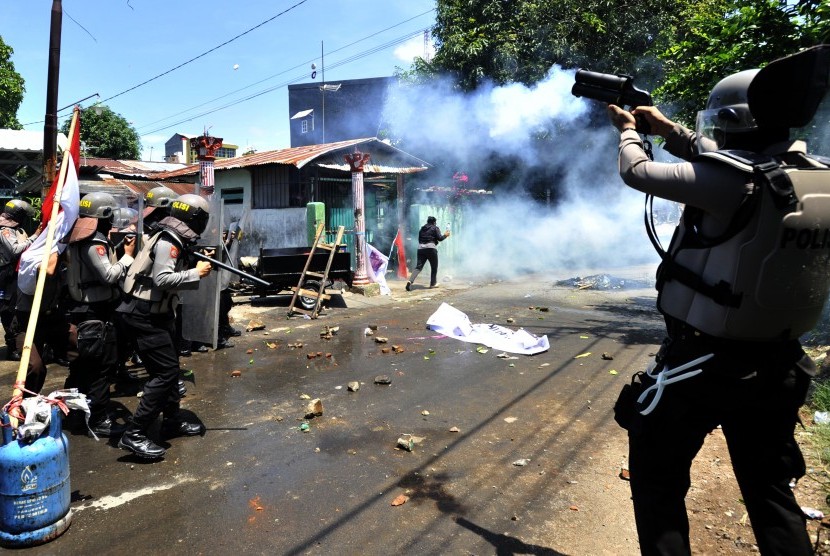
[[402, 270], [65, 185]]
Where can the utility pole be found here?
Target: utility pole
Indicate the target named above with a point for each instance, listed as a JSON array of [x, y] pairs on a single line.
[[50, 126]]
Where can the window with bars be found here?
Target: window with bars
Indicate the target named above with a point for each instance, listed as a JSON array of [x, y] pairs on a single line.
[[277, 186]]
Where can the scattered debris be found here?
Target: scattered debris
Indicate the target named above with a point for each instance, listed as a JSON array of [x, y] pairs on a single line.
[[305, 397], [381, 340], [482, 349], [353, 386], [543, 365], [399, 349], [574, 508], [311, 355], [304, 427], [295, 345], [613, 372], [383, 379], [521, 462], [581, 355], [455, 429], [329, 331], [406, 443], [624, 474], [255, 325], [236, 373], [386, 350], [400, 500], [373, 327], [425, 412], [368, 332], [271, 345], [249, 352], [314, 408], [537, 308], [605, 282], [511, 320], [607, 356], [510, 419]]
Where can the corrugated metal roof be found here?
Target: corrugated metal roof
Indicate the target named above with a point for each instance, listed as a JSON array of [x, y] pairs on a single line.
[[319, 154], [25, 140], [130, 167], [131, 188]]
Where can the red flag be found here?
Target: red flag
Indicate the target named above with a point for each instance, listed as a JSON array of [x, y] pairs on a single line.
[[402, 270], [75, 151]]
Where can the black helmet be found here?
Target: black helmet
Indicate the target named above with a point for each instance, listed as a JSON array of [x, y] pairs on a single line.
[[193, 210], [97, 205], [727, 112], [160, 196], [16, 213]]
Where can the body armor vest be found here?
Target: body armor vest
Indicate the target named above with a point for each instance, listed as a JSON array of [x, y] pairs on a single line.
[[139, 280], [83, 285], [767, 276]]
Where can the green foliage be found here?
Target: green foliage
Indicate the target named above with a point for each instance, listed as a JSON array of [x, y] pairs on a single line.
[[107, 135], [11, 89], [520, 40], [820, 400], [716, 38]]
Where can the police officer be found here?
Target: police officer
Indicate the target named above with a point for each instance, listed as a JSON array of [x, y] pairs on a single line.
[[157, 203], [148, 314], [92, 281], [13, 241], [731, 356]]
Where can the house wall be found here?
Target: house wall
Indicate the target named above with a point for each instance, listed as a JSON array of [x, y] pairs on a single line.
[[266, 228]]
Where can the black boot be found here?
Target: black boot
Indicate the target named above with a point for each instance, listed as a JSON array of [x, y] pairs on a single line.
[[182, 388], [136, 441], [177, 426], [106, 427]]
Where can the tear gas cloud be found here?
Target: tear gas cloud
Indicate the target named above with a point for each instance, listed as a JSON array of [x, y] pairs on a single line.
[[593, 221]]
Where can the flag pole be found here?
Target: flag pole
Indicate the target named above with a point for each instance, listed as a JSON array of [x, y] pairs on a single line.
[[25, 352]]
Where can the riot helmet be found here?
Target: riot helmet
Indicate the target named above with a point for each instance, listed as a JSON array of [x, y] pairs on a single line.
[[16, 212], [160, 196], [727, 115], [97, 205], [124, 218], [193, 210]]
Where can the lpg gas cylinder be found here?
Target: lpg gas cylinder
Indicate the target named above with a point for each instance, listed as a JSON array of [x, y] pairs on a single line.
[[34, 485]]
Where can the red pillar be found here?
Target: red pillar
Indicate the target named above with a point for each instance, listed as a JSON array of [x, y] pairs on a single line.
[[356, 160]]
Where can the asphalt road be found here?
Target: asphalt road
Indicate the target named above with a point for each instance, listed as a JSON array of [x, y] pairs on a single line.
[[257, 484]]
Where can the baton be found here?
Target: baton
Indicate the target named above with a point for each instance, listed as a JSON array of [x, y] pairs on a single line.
[[231, 269]]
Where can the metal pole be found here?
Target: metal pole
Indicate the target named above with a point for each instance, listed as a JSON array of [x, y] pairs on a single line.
[[50, 126]]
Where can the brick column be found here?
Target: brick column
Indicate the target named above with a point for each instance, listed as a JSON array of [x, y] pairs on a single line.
[[356, 160]]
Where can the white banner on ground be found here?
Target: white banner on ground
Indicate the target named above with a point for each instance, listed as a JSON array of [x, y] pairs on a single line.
[[453, 323], [377, 268]]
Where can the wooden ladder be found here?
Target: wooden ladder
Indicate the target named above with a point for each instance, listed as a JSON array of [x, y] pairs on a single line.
[[321, 276]]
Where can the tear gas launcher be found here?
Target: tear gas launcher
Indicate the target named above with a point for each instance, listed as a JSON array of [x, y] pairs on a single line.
[[229, 268], [613, 89]]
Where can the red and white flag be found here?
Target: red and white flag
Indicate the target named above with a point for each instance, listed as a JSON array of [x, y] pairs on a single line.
[[32, 257]]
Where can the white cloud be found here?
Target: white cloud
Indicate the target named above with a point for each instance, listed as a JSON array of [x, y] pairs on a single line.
[[413, 48]]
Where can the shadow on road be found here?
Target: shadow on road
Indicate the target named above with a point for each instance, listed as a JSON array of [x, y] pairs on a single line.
[[506, 545]]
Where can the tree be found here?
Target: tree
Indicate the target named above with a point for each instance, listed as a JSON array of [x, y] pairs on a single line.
[[716, 38], [11, 89], [519, 41], [107, 134]]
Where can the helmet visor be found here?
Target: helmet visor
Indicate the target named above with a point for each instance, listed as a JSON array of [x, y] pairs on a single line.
[[715, 125]]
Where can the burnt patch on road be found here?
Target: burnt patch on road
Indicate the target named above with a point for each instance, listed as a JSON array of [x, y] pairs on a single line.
[[421, 487]]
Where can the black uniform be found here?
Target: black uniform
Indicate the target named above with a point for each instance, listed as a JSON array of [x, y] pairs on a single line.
[[429, 236]]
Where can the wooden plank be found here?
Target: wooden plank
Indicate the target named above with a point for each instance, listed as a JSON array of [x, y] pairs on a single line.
[[315, 274], [311, 293]]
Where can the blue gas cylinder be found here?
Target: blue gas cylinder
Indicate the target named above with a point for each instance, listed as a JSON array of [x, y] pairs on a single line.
[[34, 486]]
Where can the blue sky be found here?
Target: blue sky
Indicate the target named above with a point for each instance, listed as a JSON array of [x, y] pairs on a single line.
[[110, 46]]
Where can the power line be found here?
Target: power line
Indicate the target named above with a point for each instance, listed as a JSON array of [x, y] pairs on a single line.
[[345, 61], [300, 65], [206, 52]]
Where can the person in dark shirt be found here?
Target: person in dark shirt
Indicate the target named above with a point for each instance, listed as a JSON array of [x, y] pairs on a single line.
[[429, 237]]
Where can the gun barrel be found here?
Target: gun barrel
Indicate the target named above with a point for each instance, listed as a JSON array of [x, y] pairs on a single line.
[[231, 269], [602, 80]]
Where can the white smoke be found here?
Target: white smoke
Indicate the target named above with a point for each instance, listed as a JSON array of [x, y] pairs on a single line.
[[592, 220]]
